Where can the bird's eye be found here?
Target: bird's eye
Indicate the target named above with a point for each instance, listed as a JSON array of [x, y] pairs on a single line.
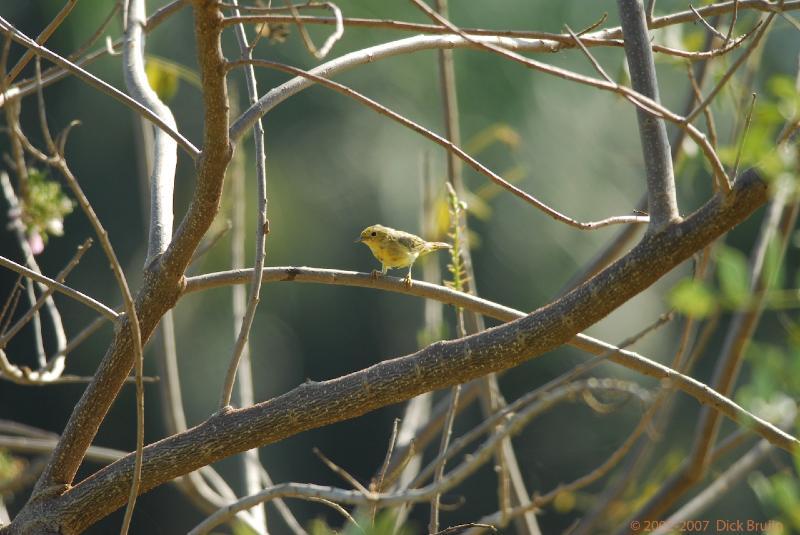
[[374, 234]]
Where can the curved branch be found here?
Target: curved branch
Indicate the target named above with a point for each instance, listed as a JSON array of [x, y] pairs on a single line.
[[59, 287], [453, 149], [499, 45], [165, 157], [8, 29], [557, 41]]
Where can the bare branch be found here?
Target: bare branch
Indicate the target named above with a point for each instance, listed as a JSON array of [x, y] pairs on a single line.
[[165, 156], [479, 167], [22, 39], [59, 287], [662, 203]]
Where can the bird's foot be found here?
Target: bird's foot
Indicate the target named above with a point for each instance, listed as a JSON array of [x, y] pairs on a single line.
[[407, 281]]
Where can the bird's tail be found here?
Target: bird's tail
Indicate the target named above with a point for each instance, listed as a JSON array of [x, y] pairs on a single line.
[[436, 245]]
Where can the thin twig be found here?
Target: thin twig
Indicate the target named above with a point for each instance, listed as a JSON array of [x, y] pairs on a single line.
[[341, 472], [42, 38], [707, 113], [244, 312], [739, 150], [447, 432], [62, 288], [642, 102], [10, 305], [337, 34], [705, 23], [209, 242], [733, 21], [377, 484], [589, 56], [22, 39], [462, 527], [722, 82], [261, 229]]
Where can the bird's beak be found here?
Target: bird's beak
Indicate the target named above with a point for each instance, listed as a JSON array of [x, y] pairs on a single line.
[[357, 240]]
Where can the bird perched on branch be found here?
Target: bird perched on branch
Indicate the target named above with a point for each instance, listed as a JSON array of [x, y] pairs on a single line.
[[396, 249]]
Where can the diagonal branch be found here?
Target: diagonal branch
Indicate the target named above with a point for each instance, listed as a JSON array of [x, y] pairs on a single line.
[[9, 30], [59, 287], [437, 366]]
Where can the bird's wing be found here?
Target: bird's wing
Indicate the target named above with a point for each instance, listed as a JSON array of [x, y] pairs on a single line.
[[410, 241]]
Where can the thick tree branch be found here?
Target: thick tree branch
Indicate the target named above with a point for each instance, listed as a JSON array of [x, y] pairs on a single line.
[[162, 286], [440, 365]]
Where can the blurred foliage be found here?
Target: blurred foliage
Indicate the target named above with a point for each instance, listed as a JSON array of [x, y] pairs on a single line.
[[460, 277], [11, 467], [779, 494], [773, 109], [164, 76], [693, 298], [383, 524]]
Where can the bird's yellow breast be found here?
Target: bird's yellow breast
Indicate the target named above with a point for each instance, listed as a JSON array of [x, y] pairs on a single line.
[[392, 254]]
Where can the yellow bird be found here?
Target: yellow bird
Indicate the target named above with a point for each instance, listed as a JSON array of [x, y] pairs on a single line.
[[396, 249]]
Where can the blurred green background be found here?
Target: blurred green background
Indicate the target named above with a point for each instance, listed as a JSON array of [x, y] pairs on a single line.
[[335, 167]]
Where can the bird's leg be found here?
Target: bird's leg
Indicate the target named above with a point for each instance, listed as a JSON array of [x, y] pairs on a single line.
[[407, 278], [375, 272]]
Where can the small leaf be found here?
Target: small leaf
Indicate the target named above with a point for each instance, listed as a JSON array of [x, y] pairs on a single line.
[[564, 502], [164, 81], [774, 273], [693, 298], [732, 274]]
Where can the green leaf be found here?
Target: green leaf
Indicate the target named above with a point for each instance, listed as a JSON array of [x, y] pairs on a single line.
[[732, 274], [693, 298], [774, 273], [787, 497], [163, 80]]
